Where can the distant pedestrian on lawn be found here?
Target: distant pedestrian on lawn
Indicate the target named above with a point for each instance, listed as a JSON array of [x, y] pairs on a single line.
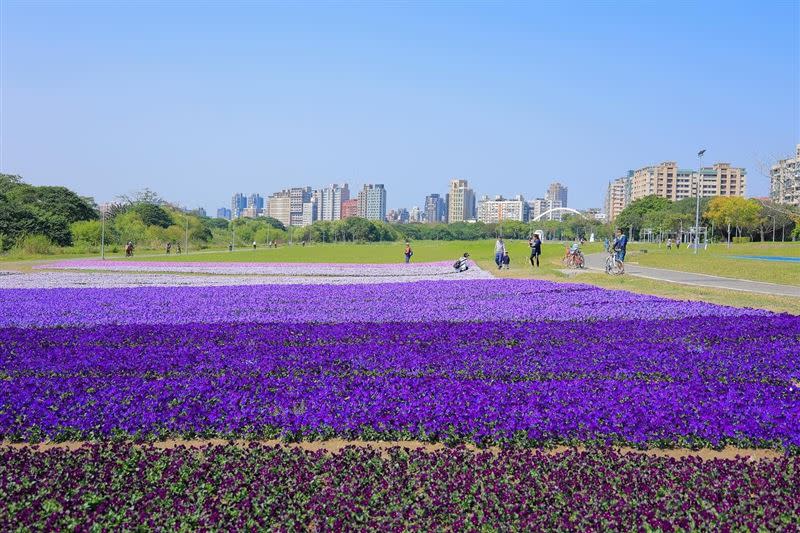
[[499, 250], [669, 243], [408, 253], [621, 245], [254, 245], [506, 260], [169, 247], [536, 250], [462, 263]]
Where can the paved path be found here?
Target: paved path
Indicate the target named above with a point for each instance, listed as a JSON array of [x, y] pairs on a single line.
[[598, 261]]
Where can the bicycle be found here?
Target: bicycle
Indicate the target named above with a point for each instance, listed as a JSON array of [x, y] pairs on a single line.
[[574, 259], [614, 266]]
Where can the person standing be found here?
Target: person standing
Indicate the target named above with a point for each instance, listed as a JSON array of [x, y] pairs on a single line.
[[408, 252], [621, 245], [506, 261], [254, 245], [536, 250], [169, 247], [499, 250], [669, 243]]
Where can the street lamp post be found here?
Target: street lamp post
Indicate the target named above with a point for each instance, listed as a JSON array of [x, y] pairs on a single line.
[[103, 235], [186, 237], [697, 207]]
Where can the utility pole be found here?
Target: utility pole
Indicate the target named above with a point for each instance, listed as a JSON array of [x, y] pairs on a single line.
[[697, 207], [103, 234], [186, 238]]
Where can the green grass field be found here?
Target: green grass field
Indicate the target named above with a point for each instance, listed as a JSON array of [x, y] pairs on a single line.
[[719, 260], [716, 260]]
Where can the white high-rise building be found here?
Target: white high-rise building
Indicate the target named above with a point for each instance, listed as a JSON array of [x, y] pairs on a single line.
[[372, 202], [784, 180], [501, 209], [329, 201], [618, 196], [540, 206], [460, 202]]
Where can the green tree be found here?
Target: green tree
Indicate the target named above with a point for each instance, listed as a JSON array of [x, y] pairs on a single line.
[[152, 215], [86, 232], [632, 218]]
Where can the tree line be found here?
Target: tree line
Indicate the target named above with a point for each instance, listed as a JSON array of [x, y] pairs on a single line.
[[726, 217]]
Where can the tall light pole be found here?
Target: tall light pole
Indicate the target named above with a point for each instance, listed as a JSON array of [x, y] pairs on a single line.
[[103, 234], [186, 238], [697, 207]]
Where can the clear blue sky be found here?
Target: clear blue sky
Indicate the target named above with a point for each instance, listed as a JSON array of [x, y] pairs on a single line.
[[197, 101]]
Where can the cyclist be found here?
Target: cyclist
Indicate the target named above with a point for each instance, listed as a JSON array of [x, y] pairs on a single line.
[[620, 245]]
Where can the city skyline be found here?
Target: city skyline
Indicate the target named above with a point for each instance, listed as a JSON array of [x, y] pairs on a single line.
[[193, 102]]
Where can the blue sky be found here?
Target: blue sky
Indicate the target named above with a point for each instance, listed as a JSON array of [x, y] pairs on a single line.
[[198, 100]]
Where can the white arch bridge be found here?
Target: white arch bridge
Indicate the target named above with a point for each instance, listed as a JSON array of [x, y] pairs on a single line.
[[559, 209]]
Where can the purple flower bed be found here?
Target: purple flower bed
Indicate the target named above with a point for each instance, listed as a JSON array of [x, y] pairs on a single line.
[[692, 381], [120, 486], [456, 300]]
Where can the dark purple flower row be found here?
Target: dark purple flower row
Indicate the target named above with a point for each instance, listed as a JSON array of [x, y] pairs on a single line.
[[715, 380], [120, 486], [474, 300]]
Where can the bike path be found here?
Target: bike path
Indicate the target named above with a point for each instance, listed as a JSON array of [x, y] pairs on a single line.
[[598, 262]]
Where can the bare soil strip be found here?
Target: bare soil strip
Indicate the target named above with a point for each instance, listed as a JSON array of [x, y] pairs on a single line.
[[336, 445]]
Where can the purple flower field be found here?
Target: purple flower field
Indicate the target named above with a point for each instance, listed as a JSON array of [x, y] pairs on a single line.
[[122, 487], [515, 363]]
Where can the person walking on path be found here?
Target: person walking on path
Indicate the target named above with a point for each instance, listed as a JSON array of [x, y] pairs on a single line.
[[408, 252], [499, 250], [536, 250], [621, 245], [506, 260]]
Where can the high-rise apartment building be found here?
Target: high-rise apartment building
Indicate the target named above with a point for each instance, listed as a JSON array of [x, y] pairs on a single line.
[[224, 212], [668, 181], [238, 203], [350, 208], [372, 202], [255, 201], [557, 193], [540, 206], [435, 209], [329, 201], [502, 209], [618, 196], [298, 196], [784, 180], [279, 206], [460, 202], [309, 212], [415, 214]]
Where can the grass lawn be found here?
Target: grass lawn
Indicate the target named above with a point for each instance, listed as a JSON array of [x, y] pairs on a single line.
[[712, 261], [719, 260]]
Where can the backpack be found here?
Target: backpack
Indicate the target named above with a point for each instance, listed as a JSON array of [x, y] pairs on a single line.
[[457, 264]]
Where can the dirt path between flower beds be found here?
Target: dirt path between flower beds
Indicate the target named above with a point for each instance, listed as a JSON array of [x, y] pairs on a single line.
[[337, 445]]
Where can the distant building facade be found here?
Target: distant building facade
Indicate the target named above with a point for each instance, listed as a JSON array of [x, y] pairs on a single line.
[[460, 202], [415, 214], [668, 181], [350, 208], [372, 202], [238, 203], [784, 180], [540, 206], [502, 209], [557, 194], [618, 196], [435, 209], [329, 201], [224, 212]]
